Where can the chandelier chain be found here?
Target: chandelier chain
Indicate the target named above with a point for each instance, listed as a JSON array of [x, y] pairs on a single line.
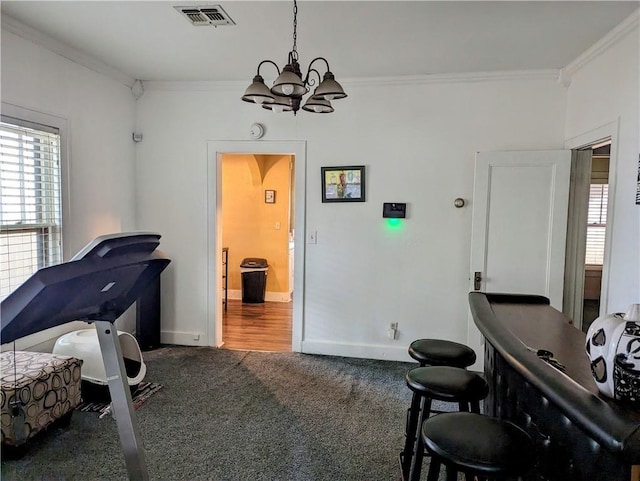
[[295, 28]]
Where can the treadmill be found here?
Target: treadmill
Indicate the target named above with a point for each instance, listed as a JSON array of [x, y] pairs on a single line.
[[97, 286]]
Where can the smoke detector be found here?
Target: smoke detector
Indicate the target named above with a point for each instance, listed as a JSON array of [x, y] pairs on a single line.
[[205, 15]]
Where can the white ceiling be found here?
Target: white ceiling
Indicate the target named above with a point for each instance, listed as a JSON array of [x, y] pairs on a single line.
[[150, 40]]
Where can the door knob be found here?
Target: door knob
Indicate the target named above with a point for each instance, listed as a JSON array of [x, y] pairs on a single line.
[[477, 281]]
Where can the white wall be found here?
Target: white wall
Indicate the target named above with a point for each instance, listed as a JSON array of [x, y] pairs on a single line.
[[100, 115], [607, 90], [417, 141]]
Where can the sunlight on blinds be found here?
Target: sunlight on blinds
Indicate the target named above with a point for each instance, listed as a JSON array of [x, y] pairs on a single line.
[[30, 207], [596, 223]]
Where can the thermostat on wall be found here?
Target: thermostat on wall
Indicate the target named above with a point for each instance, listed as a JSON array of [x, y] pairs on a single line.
[[394, 210]]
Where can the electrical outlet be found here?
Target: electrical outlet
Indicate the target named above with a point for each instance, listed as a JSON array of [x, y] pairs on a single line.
[[393, 331]]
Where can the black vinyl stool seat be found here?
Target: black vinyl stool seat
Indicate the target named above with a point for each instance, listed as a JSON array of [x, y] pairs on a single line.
[[441, 383], [476, 445], [438, 352], [451, 384]]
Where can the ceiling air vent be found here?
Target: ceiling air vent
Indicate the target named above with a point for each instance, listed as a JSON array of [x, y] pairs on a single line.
[[205, 15]]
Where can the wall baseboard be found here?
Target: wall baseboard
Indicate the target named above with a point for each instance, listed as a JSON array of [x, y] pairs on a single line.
[[236, 294], [44, 341], [363, 351], [183, 338]]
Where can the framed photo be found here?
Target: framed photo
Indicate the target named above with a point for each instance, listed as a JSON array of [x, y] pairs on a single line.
[[270, 196], [343, 184]]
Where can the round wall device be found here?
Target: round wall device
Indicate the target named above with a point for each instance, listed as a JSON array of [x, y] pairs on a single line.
[[256, 131]]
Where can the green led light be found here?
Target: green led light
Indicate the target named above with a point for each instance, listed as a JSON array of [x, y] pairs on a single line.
[[394, 223]]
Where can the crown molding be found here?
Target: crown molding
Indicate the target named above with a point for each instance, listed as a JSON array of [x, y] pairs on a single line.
[[64, 50], [605, 43], [471, 77]]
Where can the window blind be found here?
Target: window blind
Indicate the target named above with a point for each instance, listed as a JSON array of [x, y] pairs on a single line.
[[596, 223], [30, 201]]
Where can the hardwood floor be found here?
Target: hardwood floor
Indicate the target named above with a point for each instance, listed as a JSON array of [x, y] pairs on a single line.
[[257, 327]]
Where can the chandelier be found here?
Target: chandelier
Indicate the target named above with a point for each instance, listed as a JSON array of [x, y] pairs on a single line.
[[288, 89]]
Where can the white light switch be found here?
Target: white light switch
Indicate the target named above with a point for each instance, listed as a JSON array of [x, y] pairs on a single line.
[[312, 237], [277, 225]]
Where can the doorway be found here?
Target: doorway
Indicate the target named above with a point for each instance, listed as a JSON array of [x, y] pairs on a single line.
[[258, 224], [587, 232], [216, 150], [598, 143]]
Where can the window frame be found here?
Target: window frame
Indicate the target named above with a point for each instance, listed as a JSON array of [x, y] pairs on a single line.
[[40, 121], [591, 226]]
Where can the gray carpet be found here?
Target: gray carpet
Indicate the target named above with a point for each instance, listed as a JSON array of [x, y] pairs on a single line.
[[235, 415]]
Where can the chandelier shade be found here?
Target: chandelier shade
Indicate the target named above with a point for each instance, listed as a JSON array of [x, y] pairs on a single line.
[[329, 89], [289, 83], [317, 105], [290, 86], [280, 103], [258, 92]]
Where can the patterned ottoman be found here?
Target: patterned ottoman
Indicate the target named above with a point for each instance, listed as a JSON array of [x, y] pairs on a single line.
[[37, 390]]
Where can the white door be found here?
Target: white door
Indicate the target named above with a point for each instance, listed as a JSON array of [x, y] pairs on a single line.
[[519, 225]]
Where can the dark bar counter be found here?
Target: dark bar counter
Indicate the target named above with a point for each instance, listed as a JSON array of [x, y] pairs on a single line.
[[579, 434]]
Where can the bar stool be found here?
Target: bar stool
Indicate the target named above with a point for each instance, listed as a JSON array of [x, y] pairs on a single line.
[[442, 383], [438, 352], [475, 445]]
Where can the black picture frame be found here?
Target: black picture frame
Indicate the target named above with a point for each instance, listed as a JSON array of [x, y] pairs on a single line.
[[343, 183], [270, 196]]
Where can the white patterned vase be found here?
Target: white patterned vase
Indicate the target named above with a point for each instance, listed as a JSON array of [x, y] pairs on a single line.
[[613, 346]]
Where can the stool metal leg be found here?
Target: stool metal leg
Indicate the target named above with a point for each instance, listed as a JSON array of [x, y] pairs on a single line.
[[418, 454], [434, 469], [452, 473], [411, 430]]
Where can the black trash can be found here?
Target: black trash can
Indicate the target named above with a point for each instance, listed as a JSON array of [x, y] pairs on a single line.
[[254, 279]]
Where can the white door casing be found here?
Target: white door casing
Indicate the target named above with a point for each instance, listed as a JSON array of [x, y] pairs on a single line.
[[519, 225], [606, 131], [574, 271], [215, 150]]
